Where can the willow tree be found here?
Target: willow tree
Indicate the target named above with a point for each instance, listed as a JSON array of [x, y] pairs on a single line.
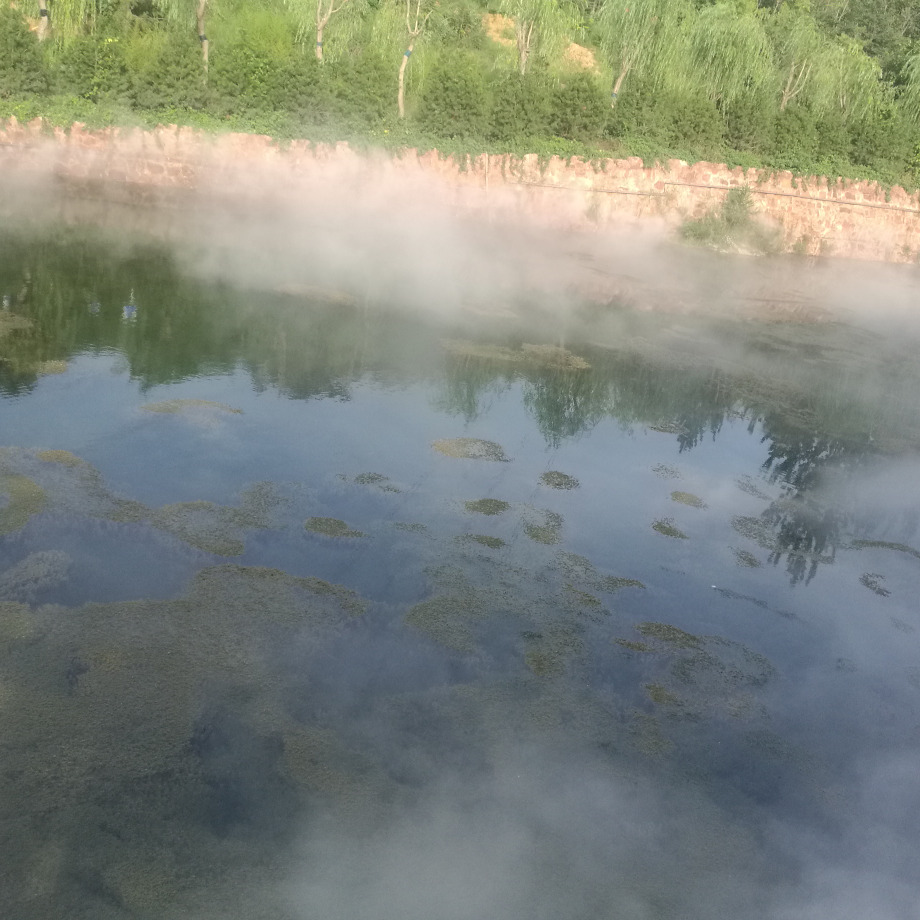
[[797, 46], [729, 51], [642, 36], [70, 19], [909, 98], [186, 13], [846, 80], [313, 16], [403, 23], [540, 26]]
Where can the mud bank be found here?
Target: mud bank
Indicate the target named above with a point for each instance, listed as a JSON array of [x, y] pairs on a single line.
[[817, 215]]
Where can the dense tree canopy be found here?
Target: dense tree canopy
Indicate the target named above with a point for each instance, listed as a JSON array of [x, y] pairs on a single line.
[[829, 85]]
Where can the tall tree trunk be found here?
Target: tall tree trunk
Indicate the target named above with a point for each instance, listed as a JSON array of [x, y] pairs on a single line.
[[202, 36], [44, 21], [319, 40], [794, 83], [401, 98], [524, 32], [624, 70]]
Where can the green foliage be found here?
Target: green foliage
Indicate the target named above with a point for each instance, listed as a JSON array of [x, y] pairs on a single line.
[[22, 70], [165, 71], [731, 227], [795, 138], [94, 68], [785, 85], [580, 108], [521, 106], [750, 124], [455, 102]]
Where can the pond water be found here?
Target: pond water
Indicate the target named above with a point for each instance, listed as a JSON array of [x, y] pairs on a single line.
[[312, 607]]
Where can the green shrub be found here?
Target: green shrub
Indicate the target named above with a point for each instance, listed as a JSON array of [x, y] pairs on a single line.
[[360, 89], [520, 107], [94, 68], [750, 124], [455, 101], [22, 70], [165, 71], [795, 139], [579, 108], [883, 143], [732, 226]]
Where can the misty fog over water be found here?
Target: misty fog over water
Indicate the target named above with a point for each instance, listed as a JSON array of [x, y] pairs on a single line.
[[440, 569]]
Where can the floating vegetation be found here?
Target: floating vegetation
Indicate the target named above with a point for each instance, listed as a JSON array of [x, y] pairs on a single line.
[[633, 646], [410, 527], [579, 569], [37, 573], [487, 506], [330, 527], [370, 479], [665, 526], [584, 604], [548, 653], [550, 357], [483, 540], [666, 472], [10, 322], [670, 635], [883, 544], [902, 626], [735, 596], [661, 695], [748, 485], [556, 480], [746, 559], [688, 498], [204, 525], [50, 368], [470, 449], [175, 406], [548, 530], [16, 623], [668, 427], [756, 529], [25, 498], [64, 457], [446, 619], [647, 736], [846, 665], [873, 581]]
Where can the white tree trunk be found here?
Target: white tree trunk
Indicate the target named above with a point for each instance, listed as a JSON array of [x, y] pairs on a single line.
[[43, 22], [401, 98], [202, 36]]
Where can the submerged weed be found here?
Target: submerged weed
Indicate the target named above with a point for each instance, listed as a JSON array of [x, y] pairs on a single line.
[[665, 526], [470, 449], [556, 480], [873, 581], [487, 506], [746, 559], [670, 635], [687, 498], [330, 527], [483, 540], [175, 406], [25, 498], [548, 531]]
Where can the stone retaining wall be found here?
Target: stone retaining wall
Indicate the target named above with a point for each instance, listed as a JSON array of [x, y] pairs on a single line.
[[815, 214]]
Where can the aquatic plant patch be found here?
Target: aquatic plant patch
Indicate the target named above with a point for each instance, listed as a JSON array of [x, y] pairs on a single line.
[[470, 449], [556, 480], [330, 527]]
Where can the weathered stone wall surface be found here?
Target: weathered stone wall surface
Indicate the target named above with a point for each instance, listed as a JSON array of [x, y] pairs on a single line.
[[815, 214]]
